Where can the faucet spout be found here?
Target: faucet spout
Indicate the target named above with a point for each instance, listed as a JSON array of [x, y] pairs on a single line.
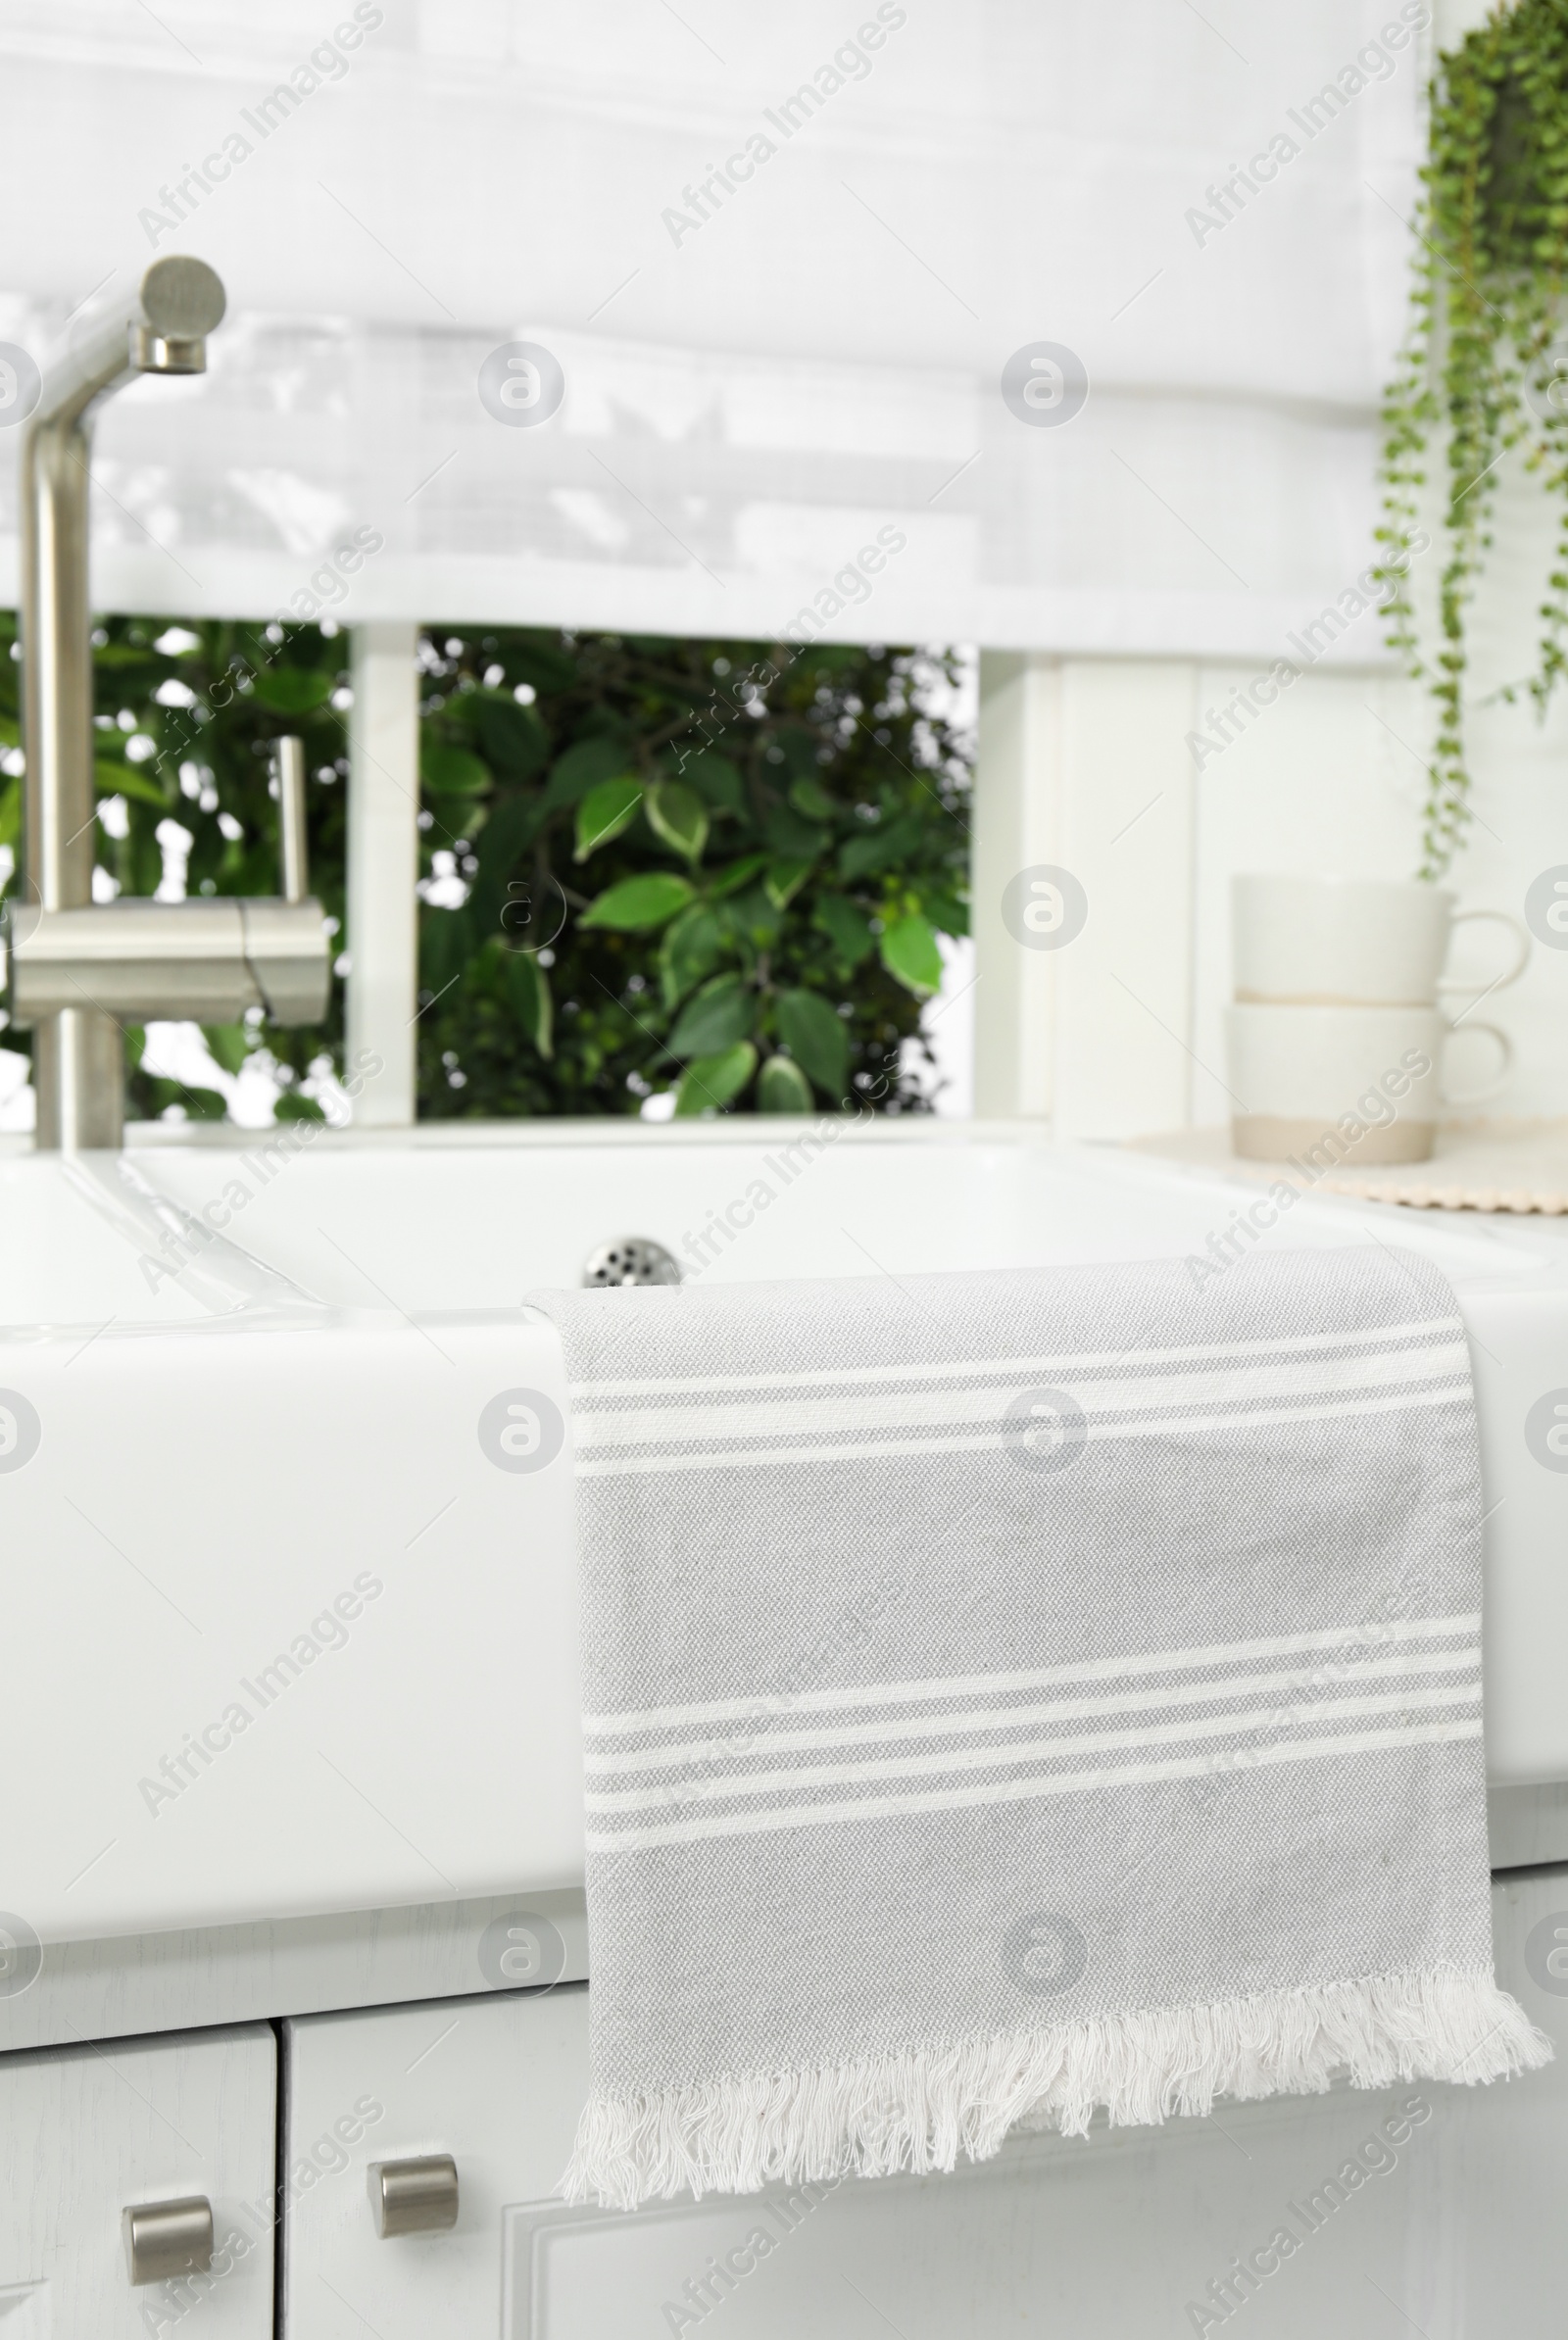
[[77, 1060], [179, 302], [76, 969]]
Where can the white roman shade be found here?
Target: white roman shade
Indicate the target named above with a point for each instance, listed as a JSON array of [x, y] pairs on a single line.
[[780, 259]]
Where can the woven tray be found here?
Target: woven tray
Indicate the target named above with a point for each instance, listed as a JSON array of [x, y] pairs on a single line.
[[1498, 1165]]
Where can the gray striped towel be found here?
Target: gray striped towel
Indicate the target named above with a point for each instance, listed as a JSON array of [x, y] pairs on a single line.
[[1012, 1694]]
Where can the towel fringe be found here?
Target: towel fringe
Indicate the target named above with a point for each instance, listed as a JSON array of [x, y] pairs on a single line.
[[917, 2111]]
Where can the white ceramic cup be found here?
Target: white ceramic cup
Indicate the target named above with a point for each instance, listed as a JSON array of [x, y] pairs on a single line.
[[1353, 942], [1356, 1085]]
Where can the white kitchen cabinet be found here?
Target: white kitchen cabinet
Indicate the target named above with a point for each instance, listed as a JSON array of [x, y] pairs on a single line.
[[1448, 2223], [87, 2132], [494, 2082]]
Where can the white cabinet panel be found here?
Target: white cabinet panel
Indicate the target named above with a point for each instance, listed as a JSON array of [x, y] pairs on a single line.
[[88, 2131], [496, 2083], [1430, 2209], [230, 1741]]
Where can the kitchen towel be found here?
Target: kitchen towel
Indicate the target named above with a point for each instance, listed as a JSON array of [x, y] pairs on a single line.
[[1010, 1694]]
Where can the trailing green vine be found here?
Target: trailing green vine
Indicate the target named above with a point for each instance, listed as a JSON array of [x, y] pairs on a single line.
[[1484, 369]]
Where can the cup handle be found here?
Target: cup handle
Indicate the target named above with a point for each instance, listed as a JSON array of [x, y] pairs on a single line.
[[1521, 936], [1489, 1089]]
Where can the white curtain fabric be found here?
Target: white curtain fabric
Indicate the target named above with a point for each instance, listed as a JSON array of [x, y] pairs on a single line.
[[760, 375]]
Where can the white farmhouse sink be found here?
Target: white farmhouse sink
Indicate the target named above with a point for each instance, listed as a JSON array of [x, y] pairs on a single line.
[[280, 1635]]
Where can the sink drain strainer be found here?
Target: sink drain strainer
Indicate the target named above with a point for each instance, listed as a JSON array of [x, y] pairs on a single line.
[[631, 1259]]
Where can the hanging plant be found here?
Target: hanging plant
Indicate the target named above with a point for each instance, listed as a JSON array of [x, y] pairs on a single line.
[[1485, 367]]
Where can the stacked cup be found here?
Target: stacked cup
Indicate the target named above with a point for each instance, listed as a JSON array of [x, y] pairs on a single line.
[[1337, 1032]]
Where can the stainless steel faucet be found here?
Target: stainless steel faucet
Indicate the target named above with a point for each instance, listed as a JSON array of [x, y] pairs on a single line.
[[80, 969]]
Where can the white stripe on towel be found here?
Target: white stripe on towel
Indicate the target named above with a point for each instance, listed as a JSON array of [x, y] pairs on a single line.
[[718, 1788], [950, 1408], [1007, 1718], [1036, 1677], [1012, 1791], [843, 1376], [729, 1458]]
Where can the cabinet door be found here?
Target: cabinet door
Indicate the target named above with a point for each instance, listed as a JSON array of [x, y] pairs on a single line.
[[87, 2132], [494, 2082], [1300, 2210]]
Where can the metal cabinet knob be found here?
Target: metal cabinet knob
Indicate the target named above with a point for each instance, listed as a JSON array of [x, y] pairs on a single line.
[[415, 2197], [169, 2239]]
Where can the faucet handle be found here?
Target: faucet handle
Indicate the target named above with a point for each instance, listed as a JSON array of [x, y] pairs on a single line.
[[288, 770]]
